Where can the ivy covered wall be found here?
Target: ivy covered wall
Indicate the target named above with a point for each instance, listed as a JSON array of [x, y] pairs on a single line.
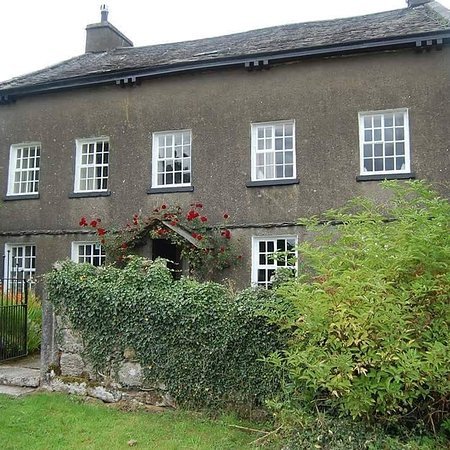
[[201, 341]]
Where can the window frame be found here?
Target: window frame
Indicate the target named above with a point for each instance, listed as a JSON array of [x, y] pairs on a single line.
[[407, 144], [12, 170], [75, 252], [78, 166], [256, 255], [155, 159], [8, 261], [254, 150]]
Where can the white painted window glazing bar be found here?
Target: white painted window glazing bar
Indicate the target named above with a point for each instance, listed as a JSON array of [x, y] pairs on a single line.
[[171, 158], [20, 261], [88, 252], [24, 169], [270, 253], [273, 150], [92, 165], [384, 142]]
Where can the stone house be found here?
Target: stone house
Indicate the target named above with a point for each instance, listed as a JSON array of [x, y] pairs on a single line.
[[268, 125]]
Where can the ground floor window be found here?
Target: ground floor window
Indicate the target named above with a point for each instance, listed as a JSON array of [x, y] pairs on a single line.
[[270, 253], [20, 261], [88, 252]]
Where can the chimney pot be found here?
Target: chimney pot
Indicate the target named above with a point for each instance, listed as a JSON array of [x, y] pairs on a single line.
[[104, 12]]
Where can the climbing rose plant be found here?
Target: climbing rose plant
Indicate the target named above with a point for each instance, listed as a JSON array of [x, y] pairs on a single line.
[[209, 248]]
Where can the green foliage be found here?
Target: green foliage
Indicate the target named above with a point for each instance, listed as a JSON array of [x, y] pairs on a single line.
[[322, 431], [369, 312], [34, 320], [201, 341]]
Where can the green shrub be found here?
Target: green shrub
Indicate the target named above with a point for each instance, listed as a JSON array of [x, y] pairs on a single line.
[[369, 312], [325, 432], [197, 338], [34, 321]]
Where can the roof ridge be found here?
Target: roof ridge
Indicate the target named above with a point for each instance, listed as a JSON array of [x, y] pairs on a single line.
[[439, 12], [272, 27]]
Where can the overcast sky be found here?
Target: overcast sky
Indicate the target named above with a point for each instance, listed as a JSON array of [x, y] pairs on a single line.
[[38, 33]]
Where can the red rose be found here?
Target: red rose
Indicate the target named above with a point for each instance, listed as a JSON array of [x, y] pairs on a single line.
[[93, 224], [222, 249], [173, 223], [191, 215], [199, 205], [83, 222], [204, 219], [194, 235], [226, 234], [226, 216], [199, 237], [163, 206], [124, 246], [101, 231]]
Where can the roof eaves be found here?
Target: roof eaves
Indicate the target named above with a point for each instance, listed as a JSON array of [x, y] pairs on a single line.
[[254, 60]]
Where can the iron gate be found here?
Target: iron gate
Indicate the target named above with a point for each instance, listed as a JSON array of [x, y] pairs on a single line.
[[13, 318]]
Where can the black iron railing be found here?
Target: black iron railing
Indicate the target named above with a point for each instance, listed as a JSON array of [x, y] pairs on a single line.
[[13, 317]]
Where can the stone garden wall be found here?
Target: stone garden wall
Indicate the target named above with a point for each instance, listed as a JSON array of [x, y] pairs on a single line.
[[70, 372]]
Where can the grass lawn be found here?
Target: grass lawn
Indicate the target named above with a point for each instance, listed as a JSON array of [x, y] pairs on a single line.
[[52, 421]]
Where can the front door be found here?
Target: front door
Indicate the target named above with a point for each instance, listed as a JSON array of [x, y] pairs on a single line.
[[162, 248]]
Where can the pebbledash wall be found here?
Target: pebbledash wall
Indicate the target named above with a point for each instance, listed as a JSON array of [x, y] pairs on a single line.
[[323, 97]]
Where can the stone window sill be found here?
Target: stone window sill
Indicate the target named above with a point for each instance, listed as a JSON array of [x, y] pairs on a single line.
[[170, 190], [264, 183], [9, 198], [391, 176], [89, 194]]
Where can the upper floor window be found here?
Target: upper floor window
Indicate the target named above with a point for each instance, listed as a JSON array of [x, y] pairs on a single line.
[[171, 159], [92, 165], [273, 151], [270, 253], [20, 261], [88, 252], [24, 169], [384, 142]]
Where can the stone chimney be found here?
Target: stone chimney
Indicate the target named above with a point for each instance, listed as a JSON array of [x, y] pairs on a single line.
[[413, 3], [101, 37]]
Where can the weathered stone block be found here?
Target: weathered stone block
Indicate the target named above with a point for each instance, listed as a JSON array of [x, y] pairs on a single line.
[[108, 396], [72, 365], [70, 341], [57, 385], [130, 374], [129, 354]]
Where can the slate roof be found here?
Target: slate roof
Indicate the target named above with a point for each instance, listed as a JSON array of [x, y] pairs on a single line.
[[386, 26]]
